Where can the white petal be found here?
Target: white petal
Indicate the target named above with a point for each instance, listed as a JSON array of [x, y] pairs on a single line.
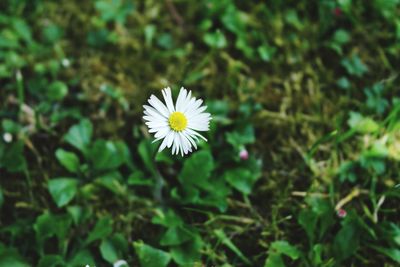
[[153, 112], [162, 132], [190, 139], [193, 133], [168, 99], [163, 145], [170, 138], [181, 98], [158, 105], [195, 112]]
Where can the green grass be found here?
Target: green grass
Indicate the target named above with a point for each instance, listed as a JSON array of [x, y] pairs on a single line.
[[310, 89]]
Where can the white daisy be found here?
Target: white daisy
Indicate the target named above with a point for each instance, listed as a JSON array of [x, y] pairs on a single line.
[[177, 124]]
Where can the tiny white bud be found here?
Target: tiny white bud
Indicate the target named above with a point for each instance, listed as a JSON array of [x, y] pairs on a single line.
[[7, 137], [65, 62], [18, 75]]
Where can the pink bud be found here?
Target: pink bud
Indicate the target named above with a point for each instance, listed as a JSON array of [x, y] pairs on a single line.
[[341, 213], [244, 154], [337, 12]]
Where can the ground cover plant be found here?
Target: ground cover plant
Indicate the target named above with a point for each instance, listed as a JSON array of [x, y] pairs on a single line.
[[301, 163]]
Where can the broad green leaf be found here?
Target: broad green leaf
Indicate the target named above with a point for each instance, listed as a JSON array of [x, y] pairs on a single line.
[[51, 261], [393, 253], [56, 91], [346, 241], [241, 137], [175, 236], [63, 190], [48, 225], [80, 135], [82, 258], [197, 169], [10, 257], [215, 39], [112, 181], [23, 29], [147, 152], [362, 124], [102, 229], [139, 178], [12, 157], [108, 251], [283, 247], [68, 159], [151, 257], [341, 36], [79, 214], [227, 242], [308, 220], [274, 260], [187, 253], [354, 66], [241, 179], [167, 218], [266, 52], [107, 155]]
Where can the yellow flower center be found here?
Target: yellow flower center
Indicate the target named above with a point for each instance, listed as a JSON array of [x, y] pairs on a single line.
[[177, 121]]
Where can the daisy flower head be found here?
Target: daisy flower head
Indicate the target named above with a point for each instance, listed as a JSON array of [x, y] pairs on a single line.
[[177, 125]]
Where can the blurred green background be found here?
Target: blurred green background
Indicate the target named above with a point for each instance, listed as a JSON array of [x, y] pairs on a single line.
[[302, 163]]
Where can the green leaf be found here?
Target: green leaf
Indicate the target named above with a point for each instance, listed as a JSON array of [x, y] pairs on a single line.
[[362, 124], [139, 178], [80, 135], [343, 83], [63, 190], [215, 39], [151, 257], [51, 261], [175, 236], [79, 214], [102, 229], [392, 253], [274, 260], [147, 151], [107, 155], [10, 257], [283, 247], [23, 29], [354, 66], [341, 36], [12, 157], [167, 218], [108, 251], [57, 91], [241, 179], [68, 159], [308, 220], [241, 137], [112, 181], [197, 169], [346, 241], [189, 252], [227, 242], [266, 52], [82, 258], [48, 225]]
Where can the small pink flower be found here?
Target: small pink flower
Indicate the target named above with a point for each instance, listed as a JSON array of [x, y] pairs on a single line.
[[341, 213], [244, 154]]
